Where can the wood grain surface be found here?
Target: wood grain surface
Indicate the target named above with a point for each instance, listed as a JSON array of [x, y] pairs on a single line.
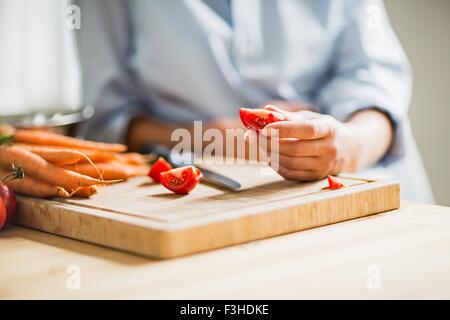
[[408, 250], [142, 217]]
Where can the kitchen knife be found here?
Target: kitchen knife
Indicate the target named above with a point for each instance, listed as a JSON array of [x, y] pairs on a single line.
[[209, 176]]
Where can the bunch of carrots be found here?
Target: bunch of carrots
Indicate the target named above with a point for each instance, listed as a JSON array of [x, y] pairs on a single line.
[[60, 166]]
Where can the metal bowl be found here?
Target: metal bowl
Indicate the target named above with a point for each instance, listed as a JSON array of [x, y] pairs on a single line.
[[49, 119]]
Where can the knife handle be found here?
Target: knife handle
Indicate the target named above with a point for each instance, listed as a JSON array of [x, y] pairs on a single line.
[[159, 150]]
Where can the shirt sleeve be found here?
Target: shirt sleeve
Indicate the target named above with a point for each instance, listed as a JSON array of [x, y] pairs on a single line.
[[369, 70], [109, 85]]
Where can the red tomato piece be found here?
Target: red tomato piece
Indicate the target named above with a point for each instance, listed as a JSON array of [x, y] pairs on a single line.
[[181, 180], [160, 166], [257, 119], [333, 184], [2, 214], [9, 201]]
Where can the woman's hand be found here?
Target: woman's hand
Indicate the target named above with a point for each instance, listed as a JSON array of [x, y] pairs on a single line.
[[291, 106], [313, 145]]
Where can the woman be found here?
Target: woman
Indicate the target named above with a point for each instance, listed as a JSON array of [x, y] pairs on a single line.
[[152, 66]]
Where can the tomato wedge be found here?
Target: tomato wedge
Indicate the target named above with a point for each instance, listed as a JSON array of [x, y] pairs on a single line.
[[2, 214], [181, 180], [160, 165], [7, 193], [257, 119], [333, 184]]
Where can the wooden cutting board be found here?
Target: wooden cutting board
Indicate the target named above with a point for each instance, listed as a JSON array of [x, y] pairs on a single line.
[[144, 218]]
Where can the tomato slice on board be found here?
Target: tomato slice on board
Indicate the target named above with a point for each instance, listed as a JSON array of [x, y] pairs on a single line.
[[160, 166], [257, 119], [333, 184], [181, 180], [2, 214]]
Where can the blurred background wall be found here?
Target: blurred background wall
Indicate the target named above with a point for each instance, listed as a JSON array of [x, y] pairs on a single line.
[[38, 66], [423, 28]]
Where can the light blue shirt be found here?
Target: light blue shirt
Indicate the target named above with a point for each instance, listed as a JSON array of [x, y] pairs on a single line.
[[191, 60]]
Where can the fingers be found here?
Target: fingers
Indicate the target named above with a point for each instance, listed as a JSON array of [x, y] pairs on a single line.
[[303, 129], [306, 160], [299, 163], [310, 168], [290, 107], [301, 148], [273, 108], [298, 175]]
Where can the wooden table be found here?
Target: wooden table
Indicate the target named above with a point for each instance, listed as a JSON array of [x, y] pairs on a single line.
[[400, 254]]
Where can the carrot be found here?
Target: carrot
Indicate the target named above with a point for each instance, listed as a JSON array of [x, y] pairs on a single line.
[[96, 155], [109, 170], [132, 158], [93, 155], [56, 156], [38, 168], [86, 191], [54, 139], [34, 188]]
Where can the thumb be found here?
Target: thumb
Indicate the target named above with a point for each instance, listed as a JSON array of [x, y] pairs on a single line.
[[274, 108]]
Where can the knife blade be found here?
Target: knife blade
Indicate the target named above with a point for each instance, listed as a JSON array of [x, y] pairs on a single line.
[[209, 176]]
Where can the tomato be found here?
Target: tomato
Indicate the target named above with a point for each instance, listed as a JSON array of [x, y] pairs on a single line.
[[9, 201], [2, 214], [333, 184], [160, 165], [257, 119], [181, 180], [7, 194]]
